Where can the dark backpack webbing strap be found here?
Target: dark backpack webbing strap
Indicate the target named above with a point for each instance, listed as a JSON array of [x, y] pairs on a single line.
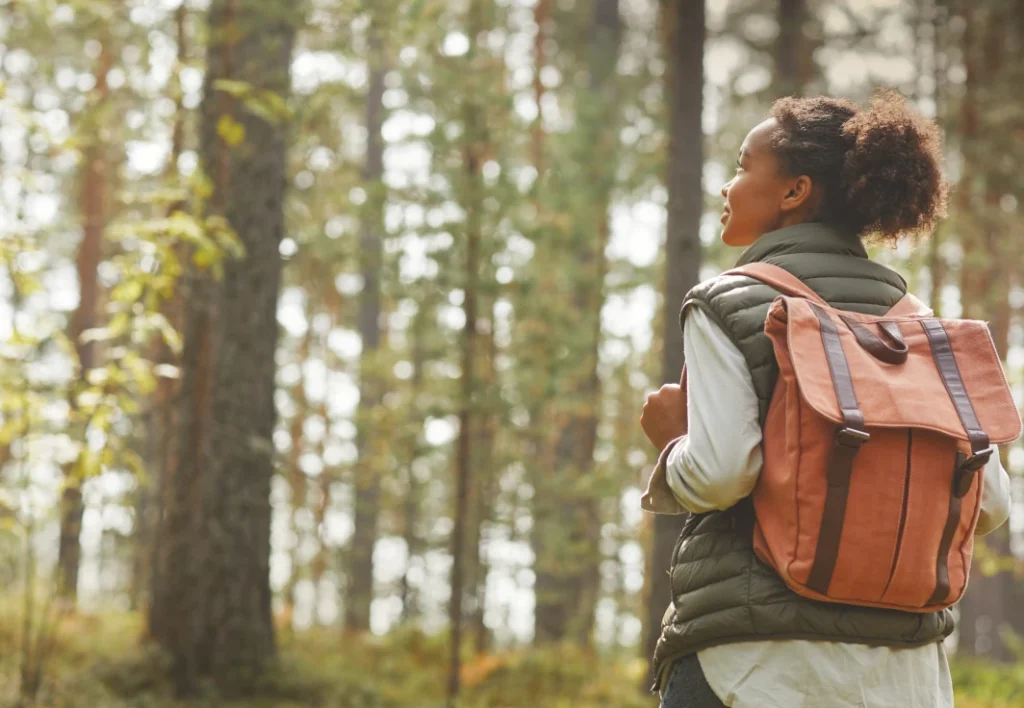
[[965, 467], [847, 443]]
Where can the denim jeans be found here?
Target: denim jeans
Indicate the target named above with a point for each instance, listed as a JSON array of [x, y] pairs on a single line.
[[686, 686]]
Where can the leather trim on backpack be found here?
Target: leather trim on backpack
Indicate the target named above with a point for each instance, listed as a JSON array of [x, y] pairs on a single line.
[[966, 467], [945, 361], [952, 519], [847, 443]]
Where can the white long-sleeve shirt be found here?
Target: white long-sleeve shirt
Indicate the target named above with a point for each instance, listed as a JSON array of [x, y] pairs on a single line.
[[716, 465]]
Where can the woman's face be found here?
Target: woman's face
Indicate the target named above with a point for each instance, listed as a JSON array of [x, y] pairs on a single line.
[[760, 198]]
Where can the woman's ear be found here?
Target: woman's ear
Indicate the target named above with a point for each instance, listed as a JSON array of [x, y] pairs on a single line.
[[797, 194]]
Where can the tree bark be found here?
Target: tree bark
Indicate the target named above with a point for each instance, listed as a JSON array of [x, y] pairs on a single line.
[[238, 636], [219, 511], [297, 481], [411, 504], [567, 523], [463, 460], [359, 594], [94, 209], [984, 291], [793, 52], [484, 464], [176, 613], [161, 428], [541, 18], [682, 250]]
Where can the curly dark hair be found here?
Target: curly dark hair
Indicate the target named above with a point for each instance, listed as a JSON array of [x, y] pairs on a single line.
[[880, 168]]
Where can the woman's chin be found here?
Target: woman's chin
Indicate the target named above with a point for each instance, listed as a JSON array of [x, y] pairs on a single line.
[[732, 237]]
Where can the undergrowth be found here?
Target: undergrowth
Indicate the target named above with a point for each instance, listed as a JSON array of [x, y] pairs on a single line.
[[99, 661]]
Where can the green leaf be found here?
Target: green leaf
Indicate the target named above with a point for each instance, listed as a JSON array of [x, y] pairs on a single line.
[[185, 226], [127, 292], [204, 258], [238, 89], [231, 131], [170, 335], [119, 324], [87, 465]]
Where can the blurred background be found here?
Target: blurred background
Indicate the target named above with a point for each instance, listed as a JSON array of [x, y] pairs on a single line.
[[325, 329]]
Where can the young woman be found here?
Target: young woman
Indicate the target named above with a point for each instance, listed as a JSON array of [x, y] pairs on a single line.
[[813, 181]]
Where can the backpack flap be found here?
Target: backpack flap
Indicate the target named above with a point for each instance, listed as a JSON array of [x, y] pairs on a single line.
[[906, 371]]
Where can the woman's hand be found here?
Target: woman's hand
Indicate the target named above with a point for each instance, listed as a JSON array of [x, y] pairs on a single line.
[[664, 416]]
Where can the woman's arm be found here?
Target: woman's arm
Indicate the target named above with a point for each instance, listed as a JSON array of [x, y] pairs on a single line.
[[718, 462]]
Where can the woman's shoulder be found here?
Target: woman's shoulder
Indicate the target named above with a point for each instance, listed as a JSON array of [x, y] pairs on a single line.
[[729, 293]]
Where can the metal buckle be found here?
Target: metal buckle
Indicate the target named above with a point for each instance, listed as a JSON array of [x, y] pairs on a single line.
[[851, 437]]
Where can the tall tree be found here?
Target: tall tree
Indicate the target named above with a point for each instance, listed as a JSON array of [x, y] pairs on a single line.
[[567, 522], [93, 202], [471, 190], [298, 483], [251, 43], [685, 90], [792, 53], [413, 448], [369, 467], [991, 33], [160, 427], [220, 494]]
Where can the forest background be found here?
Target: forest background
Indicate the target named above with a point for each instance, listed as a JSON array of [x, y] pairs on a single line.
[[312, 312]]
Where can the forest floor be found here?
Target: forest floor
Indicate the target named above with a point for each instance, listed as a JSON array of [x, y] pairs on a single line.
[[99, 661]]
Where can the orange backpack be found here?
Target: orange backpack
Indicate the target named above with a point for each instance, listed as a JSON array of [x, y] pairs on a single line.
[[874, 444]]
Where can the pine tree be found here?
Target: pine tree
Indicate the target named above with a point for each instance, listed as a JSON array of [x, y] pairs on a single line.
[[369, 469], [684, 89], [218, 606]]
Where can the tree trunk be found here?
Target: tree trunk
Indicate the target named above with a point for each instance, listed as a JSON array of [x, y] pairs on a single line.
[[161, 428], [938, 268], [472, 189], [567, 523], [238, 635], [793, 52], [369, 467], [176, 614], [323, 503], [984, 291], [682, 250], [541, 19], [484, 464], [297, 481], [93, 205], [219, 516], [411, 503], [463, 461]]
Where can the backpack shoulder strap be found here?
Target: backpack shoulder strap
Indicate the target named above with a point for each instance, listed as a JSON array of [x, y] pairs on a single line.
[[785, 282], [780, 279]]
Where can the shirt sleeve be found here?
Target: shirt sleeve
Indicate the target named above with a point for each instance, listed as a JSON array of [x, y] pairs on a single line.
[[717, 463], [995, 496]]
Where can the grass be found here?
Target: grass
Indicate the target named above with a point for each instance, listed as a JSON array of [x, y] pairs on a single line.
[[100, 661]]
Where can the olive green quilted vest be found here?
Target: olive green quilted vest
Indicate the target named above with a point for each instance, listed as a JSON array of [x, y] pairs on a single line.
[[721, 592]]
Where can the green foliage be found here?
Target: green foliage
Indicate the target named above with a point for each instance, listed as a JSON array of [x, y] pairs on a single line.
[[981, 684], [102, 662]]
